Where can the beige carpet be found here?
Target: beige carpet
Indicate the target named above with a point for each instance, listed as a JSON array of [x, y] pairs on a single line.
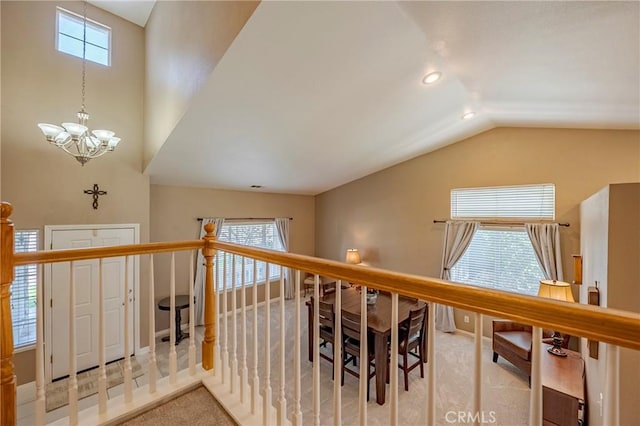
[[194, 408], [505, 391], [57, 393]]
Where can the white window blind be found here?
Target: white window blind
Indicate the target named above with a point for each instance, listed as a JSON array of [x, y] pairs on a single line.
[[513, 202], [253, 234], [70, 37], [502, 259], [23, 292]]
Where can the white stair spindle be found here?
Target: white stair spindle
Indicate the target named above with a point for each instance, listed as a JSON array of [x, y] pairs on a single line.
[[233, 385], [217, 353], [337, 357], [316, 349], [535, 404], [152, 365], [266, 402], [477, 384], [225, 314], [255, 382], [73, 380], [192, 326], [173, 356], [393, 363], [40, 388], [244, 372], [102, 373], [297, 414], [128, 376], [282, 400], [431, 366], [611, 404], [364, 358]]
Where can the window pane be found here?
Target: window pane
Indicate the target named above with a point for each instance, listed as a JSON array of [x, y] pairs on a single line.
[[97, 54], [23, 292], [254, 234], [500, 259], [70, 45], [98, 36], [70, 25]]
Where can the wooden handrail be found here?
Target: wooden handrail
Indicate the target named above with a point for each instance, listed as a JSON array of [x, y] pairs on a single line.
[[53, 256], [597, 323]]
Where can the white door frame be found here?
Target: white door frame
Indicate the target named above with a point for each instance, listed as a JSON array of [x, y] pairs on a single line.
[[48, 234]]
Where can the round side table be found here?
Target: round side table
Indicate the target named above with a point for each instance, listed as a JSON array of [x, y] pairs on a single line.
[[182, 302]]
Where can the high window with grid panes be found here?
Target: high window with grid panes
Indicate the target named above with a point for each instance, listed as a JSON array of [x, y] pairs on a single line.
[[23, 292], [502, 256], [70, 37], [260, 234]]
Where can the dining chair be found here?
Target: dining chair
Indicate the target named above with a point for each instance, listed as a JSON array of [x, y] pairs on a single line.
[[351, 347], [327, 318], [410, 342]]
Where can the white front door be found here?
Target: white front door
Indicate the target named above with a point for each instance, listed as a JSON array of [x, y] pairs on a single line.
[[86, 279]]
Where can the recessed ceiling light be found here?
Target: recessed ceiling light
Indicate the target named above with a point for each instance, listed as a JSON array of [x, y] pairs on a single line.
[[468, 115], [256, 186], [432, 77]]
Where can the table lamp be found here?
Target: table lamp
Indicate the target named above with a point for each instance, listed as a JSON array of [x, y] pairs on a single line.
[[353, 256], [558, 290]]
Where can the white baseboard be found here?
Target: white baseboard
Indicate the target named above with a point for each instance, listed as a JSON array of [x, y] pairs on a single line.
[[26, 392], [166, 331]]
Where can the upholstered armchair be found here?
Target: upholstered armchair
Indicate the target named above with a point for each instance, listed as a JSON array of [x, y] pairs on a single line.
[[512, 341]]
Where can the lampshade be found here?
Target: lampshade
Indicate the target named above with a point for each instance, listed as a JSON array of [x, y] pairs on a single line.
[[558, 290], [353, 256]]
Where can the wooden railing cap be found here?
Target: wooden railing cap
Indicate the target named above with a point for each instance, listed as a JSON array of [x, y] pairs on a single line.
[[5, 210], [209, 228]]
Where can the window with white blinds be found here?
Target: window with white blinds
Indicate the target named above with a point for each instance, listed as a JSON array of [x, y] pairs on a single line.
[[512, 202], [23, 292], [502, 257], [254, 234]]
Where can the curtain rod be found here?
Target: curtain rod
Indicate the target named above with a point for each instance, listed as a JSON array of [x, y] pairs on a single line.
[[247, 218], [495, 222]]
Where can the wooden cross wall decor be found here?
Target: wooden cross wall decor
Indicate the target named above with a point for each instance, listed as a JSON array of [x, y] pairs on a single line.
[[96, 193]]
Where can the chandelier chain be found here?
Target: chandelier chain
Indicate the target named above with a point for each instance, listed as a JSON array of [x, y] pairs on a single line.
[[84, 50]]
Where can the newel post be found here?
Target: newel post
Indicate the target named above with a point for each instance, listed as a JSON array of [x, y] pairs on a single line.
[[209, 299], [7, 374]]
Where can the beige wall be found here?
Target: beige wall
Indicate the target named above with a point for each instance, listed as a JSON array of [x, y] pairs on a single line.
[[611, 249], [174, 211], [40, 84], [184, 42], [389, 215]]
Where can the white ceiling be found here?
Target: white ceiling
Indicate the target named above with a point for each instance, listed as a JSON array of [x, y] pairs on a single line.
[[312, 95], [136, 11]]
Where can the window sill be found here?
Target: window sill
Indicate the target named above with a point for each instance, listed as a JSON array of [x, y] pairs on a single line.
[[24, 348]]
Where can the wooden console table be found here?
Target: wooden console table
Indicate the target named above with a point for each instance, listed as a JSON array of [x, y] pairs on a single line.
[[563, 399]]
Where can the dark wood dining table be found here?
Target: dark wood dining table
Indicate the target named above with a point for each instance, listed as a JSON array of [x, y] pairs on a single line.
[[378, 323]]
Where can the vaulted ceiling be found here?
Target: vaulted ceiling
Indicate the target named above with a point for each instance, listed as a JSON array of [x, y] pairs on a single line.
[[312, 95]]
